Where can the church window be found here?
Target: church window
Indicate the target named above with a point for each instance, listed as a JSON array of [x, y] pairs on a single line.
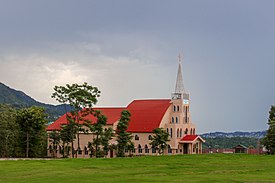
[[194, 131], [167, 130], [136, 137], [86, 150], [177, 120], [169, 149], [154, 150], [178, 108], [180, 132], [146, 149], [171, 132], [191, 131], [172, 119], [150, 137], [174, 108], [186, 131], [139, 149], [79, 151], [177, 132]]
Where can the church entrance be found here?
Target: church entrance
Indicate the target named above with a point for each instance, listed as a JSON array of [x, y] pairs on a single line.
[[185, 148]]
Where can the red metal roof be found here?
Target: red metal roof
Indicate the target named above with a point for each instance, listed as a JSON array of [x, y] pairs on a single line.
[[146, 115], [189, 137], [112, 114]]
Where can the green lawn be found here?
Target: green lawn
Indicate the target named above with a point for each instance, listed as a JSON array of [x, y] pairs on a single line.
[[180, 168]]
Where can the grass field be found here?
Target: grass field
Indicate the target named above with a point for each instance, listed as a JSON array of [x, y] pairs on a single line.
[[180, 168]]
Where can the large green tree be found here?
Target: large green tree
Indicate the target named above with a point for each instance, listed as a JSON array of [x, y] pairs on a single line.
[[123, 137], [9, 132], [159, 140], [269, 139], [81, 98], [32, 122]]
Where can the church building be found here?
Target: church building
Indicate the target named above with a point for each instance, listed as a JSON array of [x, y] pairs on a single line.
[[171, 114]]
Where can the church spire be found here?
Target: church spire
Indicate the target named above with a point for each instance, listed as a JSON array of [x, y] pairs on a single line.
[[179, 89], [179, 83]]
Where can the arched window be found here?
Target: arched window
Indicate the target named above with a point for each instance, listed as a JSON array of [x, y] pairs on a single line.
[[172, 119], [167, 130], [169, 149], [171, 132], [136, 137], [153, 150], [178, 108], [139, 149], [180, 132], [191, 131], [177, 120], [186, 131], [194, 133], [174, 108], [177, 133], [86, 151], [150, 137], [146, 149]]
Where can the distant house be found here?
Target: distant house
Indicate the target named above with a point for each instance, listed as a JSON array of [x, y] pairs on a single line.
[[240, 149]]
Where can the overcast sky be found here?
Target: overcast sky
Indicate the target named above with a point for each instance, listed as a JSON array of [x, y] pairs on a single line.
[[129, 49]]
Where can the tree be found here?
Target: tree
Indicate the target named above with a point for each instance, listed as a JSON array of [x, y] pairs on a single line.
[[123, 137], [32, 122], [81, 98], [9, 132], [54, 137], [269, 139], [106, 137], [159, 140], [97, 130]]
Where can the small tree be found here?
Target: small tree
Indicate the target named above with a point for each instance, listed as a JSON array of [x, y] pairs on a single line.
[[269, 139], [106, 137], [123, 137], [159, 140], [54, 137], [97, 130], [32, 122], [81, 98]]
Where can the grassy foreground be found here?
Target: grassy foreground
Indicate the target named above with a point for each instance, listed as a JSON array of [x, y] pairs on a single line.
[[180, 168]]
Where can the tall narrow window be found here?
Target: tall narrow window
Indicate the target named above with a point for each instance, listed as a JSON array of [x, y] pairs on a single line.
[[136, 137], [180, 132], [171, 132], [177, 120], [177, 133], [146, 149], [169, 149], [174, 108], [191, 131], [172, 119], [139, 149], [150, 137], [194, 133], [178, 108], [186, 131], [167, 130]]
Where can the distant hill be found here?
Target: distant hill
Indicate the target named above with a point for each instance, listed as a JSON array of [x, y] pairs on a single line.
[[19, 99], [259, 134]]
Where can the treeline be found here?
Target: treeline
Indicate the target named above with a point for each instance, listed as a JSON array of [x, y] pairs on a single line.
[[230, 142], [22, 132]]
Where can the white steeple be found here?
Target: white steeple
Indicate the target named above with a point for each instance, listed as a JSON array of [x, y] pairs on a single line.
[[179, 89], [179, 83]]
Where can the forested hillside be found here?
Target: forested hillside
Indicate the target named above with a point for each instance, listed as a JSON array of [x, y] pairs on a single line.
[[19, 99]]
